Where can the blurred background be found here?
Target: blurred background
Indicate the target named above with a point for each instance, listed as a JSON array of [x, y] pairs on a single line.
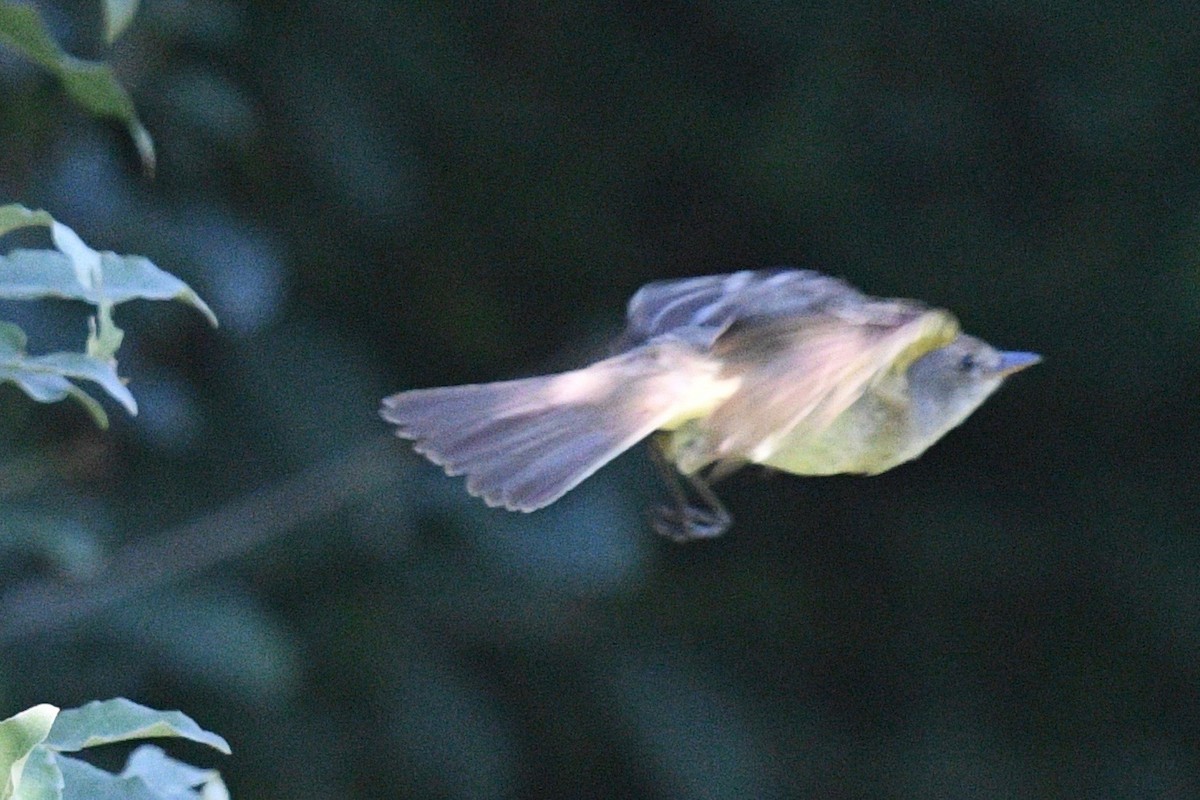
[[379, 195]]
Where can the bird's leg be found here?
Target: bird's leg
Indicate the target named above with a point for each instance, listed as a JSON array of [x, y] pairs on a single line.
[[700, 516]]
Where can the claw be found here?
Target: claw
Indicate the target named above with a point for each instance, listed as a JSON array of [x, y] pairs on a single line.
[[688, 522]]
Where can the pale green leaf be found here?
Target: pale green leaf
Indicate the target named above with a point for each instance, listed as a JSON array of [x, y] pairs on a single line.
[[117, 16], [51, 389], [79, 366], [39, 387], [214, 790], [32, 274], [48, 378], [14, 215], [84, 259], [77, 272], [169, 777], [91, 84], [135, 277], [41, 779], [19, 735], [119, 720], [82, 781]]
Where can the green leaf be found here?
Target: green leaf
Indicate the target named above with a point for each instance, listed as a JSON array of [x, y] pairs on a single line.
[[47, 379], [19, 735], [22, 29], [42, 778], [51, 389], [93, 86], [117, 16], [33, 274], [34, 769], [14, 215], [88, 368], [82, 781], [135, 277], [77, 272], [119, 720], [171, 778], [90, 84]]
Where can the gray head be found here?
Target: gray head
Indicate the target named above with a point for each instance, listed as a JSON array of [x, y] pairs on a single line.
[[949, 383]]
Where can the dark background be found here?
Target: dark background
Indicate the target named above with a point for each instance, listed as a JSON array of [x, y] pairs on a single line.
[[376, 196]]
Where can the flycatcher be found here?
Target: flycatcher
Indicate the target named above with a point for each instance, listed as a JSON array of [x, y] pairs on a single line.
[[790, 369]]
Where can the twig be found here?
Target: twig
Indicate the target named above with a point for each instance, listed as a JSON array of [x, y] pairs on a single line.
[[44, 605]]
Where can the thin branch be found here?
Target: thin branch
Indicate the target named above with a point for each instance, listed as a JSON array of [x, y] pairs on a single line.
[[245, 524]]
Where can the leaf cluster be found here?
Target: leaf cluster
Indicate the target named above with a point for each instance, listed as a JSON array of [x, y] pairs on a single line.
[[74, 271], [34, 764], [34, 744]]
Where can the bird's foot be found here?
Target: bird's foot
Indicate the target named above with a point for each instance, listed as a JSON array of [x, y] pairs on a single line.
[[687, 522]]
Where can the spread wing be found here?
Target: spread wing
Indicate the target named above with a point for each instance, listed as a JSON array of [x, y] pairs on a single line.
[[701, 309], [805, 371]]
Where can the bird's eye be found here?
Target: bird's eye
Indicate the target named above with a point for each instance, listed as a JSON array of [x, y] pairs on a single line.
[[968, 363]]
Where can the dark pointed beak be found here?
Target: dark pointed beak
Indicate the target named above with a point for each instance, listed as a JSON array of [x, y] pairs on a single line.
[[1011, 362]]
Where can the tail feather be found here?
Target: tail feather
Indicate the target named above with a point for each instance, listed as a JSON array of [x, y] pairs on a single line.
[[523, 444]]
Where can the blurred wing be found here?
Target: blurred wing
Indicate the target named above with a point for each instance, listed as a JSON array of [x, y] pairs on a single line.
[[701, 309], [807, 372]]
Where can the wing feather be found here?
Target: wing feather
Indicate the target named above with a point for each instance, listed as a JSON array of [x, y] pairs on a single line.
[[704, 308]]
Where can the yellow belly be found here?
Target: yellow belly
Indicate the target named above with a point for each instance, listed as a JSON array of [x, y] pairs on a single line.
[[866, 439]]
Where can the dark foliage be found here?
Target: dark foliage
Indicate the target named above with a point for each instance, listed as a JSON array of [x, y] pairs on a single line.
[[375, 196]]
